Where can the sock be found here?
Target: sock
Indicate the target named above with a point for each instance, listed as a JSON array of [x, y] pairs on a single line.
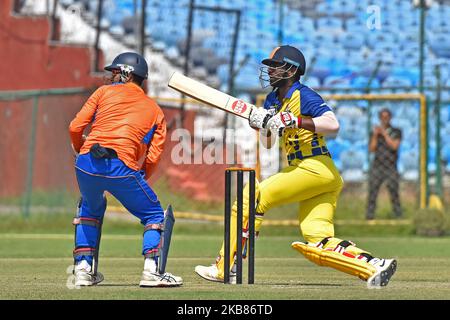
[[83, 264], [150, 264]]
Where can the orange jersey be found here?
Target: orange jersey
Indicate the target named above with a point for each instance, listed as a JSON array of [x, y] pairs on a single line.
[[125, 119]]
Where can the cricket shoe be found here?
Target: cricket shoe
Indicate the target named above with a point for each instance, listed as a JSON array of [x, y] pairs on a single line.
[[85, 278], [385, 270], [211, 273], [154, 279]]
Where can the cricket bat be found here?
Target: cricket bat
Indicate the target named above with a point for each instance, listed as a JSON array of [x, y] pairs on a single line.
[[210, 96]]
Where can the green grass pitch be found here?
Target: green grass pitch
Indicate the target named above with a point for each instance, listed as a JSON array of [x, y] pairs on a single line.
[[34, 265]]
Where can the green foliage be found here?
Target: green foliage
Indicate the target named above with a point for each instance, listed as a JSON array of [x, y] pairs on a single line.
[[431, 222]]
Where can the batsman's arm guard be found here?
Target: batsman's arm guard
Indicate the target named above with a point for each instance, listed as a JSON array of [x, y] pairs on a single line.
[[169, 221], [341, 261]]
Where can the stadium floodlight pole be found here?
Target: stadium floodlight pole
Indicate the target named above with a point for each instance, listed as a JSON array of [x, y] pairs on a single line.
[[280, 22], [192, 8], [143, 21], [422, 7], [31, 158], [187, 53], [231, 67], [241, 64], [136, 20], [437, 114], [53, 31], [97, 35]]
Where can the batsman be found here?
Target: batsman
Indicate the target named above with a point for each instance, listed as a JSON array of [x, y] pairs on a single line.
[[121, 151], [301, 118]]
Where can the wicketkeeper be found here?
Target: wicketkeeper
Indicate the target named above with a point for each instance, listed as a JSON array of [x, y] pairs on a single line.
[[127, 129], [301, 118]]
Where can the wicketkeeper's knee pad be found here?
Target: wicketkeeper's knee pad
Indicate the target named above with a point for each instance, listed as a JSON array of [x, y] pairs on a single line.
[[336, 258]]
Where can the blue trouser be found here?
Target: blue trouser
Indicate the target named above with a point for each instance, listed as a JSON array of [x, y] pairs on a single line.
[[95, 176]]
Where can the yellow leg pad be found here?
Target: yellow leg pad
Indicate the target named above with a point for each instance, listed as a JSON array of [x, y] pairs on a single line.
[[336, 260]]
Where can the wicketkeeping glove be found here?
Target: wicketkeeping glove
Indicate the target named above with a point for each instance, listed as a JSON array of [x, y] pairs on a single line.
[[283, 120]]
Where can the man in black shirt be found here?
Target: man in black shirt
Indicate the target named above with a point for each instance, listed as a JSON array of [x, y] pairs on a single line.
[[384, 142]]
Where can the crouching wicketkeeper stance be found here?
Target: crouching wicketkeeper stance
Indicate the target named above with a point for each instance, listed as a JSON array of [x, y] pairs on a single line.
[[300, 116], [127, 128]]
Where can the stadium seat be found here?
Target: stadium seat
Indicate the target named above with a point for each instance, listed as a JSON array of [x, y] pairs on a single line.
[[362, 82], [337, 82], [397, 81], [410, 162], [312, 82], [329, 24], [353, 41], [396, 43], [352, 165], [440, 45], [337, 146]]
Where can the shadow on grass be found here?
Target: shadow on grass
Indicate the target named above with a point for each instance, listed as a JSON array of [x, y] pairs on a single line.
[[129, 285], [300, 284]]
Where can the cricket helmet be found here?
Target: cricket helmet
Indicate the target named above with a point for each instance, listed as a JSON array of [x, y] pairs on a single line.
[[130, 62], [287, 54]]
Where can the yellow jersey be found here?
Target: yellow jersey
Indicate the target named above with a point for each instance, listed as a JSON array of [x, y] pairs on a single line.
[[303, 102]]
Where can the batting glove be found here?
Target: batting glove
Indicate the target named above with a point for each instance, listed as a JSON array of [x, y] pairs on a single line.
[[258, 118], [283, 120]]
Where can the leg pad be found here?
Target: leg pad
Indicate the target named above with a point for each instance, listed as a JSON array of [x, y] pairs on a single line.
[[343, 261]]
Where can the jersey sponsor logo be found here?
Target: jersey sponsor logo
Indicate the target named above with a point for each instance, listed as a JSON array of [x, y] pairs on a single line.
[[286, 118], [239, 106]]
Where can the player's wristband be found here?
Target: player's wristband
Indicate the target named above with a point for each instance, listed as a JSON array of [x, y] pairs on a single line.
[[299, 122]]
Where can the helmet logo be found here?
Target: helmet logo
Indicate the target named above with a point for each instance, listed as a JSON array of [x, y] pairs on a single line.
[[239, 106], [125, 68], [125, 72]]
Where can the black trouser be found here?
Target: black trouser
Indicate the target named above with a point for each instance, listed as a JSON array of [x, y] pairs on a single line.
[[379, 174]]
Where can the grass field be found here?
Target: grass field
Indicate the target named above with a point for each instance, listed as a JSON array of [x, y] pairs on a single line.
[[35, 256]]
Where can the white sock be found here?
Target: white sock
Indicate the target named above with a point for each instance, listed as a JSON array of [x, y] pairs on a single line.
[[150, 264], [83, 264]]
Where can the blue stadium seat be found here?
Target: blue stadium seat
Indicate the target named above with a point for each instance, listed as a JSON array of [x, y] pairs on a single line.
[[329, 23], [323, 38], [353, 40], [324, 8], [337, 82], [337, 146], [352, 165], [343, 6], [311, 82], [397, 81], [410, 164], [306, 25], [446, 153], [440, 45], [362, 82], [353, 24], [396, 43]]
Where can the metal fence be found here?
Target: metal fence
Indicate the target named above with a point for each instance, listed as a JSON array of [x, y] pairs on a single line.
[[37, 165], [37, 174]]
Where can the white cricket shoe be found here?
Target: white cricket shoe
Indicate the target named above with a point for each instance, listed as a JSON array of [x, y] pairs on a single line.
[[211, 273], [85, 278], [154, 279], [385, 270]]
